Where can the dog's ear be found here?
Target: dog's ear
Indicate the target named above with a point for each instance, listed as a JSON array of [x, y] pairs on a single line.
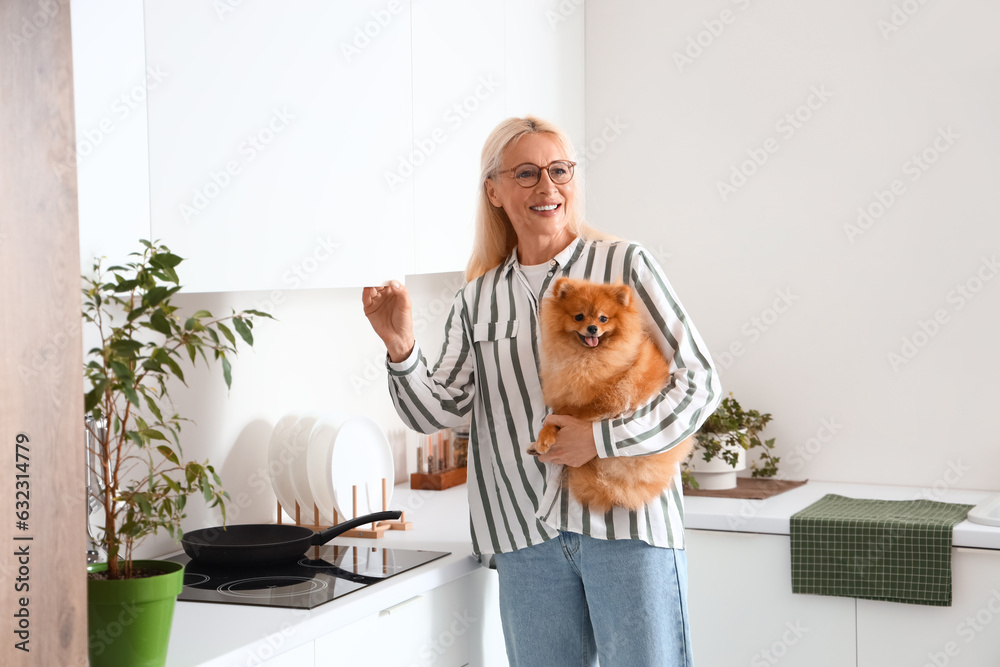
[[623, 294], [562, 288]]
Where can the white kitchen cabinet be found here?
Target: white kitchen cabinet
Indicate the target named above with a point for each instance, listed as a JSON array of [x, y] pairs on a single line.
[[967, 634], [544, 46], [743, 611], [111, 85], [459, 96], [277, 146], [273, 138], [433, 628], [474, 64], [300, 656]]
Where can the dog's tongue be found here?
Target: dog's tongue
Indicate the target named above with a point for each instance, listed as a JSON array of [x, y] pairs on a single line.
[[591, 341]]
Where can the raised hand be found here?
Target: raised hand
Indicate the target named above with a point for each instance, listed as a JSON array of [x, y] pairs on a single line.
[[390, 312]]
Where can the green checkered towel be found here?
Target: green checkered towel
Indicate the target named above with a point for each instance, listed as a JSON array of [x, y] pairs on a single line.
[[897, 550]]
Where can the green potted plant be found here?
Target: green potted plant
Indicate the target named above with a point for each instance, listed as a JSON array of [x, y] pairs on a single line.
[[143, 484], [721, 446]]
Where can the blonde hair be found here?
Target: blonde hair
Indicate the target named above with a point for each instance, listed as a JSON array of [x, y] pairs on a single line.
[[495, 237]]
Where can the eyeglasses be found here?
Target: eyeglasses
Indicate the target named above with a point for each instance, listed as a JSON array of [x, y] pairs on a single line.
[[527, 175]]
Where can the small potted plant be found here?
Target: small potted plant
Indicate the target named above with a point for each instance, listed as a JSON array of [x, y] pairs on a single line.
[[143, 484], [721, 446]]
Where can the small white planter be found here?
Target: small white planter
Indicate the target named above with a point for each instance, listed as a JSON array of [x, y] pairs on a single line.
[[716, 474]]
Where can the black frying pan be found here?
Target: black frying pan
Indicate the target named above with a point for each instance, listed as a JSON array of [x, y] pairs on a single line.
[[265, 543]]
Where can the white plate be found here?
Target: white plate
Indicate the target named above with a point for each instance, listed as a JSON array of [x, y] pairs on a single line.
[[297, 448], [277, 463], [358, 455], [318, 458]]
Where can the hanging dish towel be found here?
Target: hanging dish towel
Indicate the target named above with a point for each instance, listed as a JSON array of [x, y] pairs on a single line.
[[896, 550]]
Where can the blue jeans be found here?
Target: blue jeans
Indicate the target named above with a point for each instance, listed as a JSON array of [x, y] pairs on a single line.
[[575, 598]]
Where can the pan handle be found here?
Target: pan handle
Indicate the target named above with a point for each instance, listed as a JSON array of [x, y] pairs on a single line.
[[325, 536]]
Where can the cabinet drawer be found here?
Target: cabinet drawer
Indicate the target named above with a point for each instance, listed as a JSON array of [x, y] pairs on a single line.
[[430, 629], [301, 656]]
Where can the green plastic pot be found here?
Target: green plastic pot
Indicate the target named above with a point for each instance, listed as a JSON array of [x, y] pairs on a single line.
[[129, 619]]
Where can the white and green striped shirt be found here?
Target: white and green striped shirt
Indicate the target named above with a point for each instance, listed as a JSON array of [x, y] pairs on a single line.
[[489, 365]]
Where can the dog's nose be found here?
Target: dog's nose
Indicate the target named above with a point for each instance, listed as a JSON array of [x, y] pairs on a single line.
[[592, 329]]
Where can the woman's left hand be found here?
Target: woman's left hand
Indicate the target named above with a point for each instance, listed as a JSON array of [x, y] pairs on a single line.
[[574, 443]]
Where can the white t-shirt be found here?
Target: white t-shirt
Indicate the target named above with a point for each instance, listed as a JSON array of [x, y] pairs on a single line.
[[536, 275]]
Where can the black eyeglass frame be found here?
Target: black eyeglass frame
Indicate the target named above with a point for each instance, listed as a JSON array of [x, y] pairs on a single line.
[[540, 170]]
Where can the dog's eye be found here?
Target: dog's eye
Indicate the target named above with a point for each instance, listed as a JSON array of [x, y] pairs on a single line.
[[603, 319], [579, 318]]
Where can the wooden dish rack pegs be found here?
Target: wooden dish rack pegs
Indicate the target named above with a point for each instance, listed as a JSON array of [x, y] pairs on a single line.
[[374, 532]]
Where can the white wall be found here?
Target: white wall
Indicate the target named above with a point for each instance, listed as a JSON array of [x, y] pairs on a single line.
[[811, 111]]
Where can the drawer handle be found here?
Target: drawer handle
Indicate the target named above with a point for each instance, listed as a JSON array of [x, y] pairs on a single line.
[[397, 607]]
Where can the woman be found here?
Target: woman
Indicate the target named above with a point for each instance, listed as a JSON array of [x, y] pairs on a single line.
[[573, 584]]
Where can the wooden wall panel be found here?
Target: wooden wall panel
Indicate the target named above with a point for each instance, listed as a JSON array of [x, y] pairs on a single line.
[[40, 380]]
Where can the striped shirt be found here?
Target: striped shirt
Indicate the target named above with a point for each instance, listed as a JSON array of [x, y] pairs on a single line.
[[489, 365]]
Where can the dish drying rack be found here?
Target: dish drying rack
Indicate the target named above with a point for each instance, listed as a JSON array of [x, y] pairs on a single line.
[[376, 530]]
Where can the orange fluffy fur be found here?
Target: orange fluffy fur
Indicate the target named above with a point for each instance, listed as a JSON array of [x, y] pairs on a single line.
[[622, 372]]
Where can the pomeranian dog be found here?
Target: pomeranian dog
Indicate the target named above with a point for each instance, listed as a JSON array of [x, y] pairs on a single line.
[[598, 362]]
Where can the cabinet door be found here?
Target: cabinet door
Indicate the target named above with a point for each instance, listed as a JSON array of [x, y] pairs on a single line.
[[967, 634], [273, 138], [743, 611], [544, 44], [111, 85], [430, 629], [459, 95], [301, 656]]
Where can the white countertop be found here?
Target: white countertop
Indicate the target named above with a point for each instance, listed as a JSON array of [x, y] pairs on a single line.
[[773, 515], [214, 635]]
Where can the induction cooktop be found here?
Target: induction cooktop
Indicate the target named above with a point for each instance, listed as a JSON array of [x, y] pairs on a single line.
[[325, 573]]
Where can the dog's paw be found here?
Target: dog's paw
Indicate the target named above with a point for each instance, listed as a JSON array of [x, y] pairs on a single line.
[[546, 438]]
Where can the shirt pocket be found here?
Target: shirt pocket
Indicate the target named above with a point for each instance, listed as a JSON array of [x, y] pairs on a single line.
[[491, 332]]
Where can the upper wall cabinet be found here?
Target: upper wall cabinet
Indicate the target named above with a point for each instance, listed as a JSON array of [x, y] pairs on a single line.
[[111, 87], [274, 139], [308, 144], [459, 94], [474, 64]]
